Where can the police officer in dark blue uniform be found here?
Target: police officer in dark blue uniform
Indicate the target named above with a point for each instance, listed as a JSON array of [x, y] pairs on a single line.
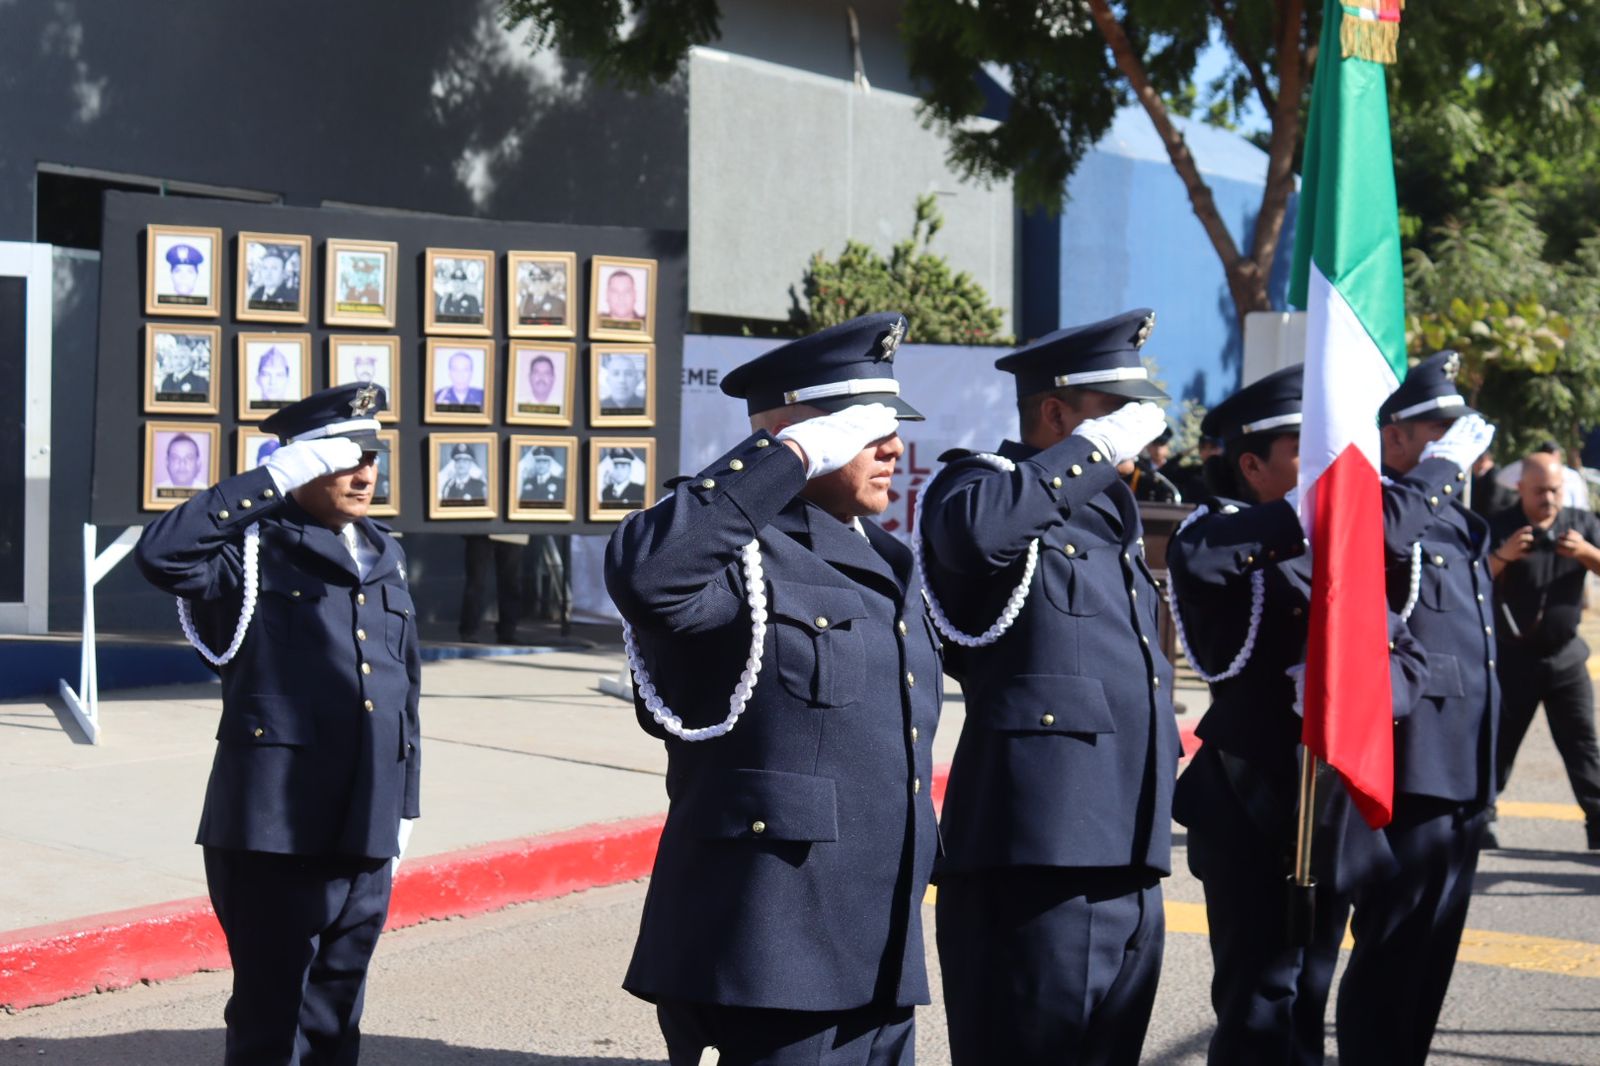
[[301, 601], [1057, 816], [1242, 582], [778, 645], [1407, 929]]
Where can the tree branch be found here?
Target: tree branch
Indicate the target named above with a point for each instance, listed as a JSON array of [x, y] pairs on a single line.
[[1230, 30], [1285, 138], [1244, 281]]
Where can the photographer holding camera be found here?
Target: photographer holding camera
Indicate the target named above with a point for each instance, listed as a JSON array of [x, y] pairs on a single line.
[[1542, 554]]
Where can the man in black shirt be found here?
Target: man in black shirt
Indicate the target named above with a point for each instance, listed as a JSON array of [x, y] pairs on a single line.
[[1542, 554], [1489, 497]]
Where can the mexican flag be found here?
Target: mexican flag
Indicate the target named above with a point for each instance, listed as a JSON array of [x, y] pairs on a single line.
[[1347, 277]]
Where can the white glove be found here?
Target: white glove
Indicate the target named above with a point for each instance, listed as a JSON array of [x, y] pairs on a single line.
[[1465, 440], [831, 441], [404, 834], [1297, 673], [303, 461], [1123, 433]]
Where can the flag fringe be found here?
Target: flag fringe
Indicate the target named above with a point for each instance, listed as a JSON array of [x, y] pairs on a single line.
[[1368, 39]]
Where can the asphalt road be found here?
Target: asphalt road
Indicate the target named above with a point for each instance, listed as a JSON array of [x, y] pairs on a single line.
[[537, 985]]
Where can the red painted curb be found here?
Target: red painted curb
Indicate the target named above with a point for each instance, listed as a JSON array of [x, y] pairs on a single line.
[[49, 963]]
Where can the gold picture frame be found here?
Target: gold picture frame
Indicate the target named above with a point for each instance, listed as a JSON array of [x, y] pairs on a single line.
[[182, 369], [450, 398], [349, 353], [387, 505], [542, 492], [170, 477], [261, 390], [607, 320], [248, 442], [358, 282], [461, 493], [607, 502], [622, 385], [458, 292], [542, 294], [183, 271], [273, 278], [532, 366]]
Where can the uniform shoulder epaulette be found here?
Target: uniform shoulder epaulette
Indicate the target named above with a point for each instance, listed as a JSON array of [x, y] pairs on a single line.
[[953, 454], [674, 482]]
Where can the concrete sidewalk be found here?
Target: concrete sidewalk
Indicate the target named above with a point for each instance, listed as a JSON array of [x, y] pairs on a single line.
[[522, 754]]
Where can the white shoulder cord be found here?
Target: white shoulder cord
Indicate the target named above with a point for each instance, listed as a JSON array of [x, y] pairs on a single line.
[[1416, 582], [756, 596], [247, 609], [1258, 599], [1019, 595]]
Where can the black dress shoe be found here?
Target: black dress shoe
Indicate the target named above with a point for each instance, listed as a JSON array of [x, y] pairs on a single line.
[[1592, 831], [1490, 841]]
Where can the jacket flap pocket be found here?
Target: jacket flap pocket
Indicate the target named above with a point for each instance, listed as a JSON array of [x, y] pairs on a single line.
[[816, 607], [768, 805], [291, 584], [1444, 677], [397, 599], [1050, 703], [266, 721]]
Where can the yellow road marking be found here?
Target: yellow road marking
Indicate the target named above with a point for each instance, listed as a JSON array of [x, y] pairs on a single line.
[[1560, 812], [1510, 951]]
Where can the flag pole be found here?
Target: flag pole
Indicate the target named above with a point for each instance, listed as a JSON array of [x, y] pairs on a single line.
[[1302, 886]]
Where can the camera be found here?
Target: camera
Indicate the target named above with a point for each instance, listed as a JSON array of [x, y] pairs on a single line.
[[1543, 539]]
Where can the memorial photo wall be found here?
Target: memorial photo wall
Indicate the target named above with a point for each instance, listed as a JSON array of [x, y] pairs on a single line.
[[531, 369]]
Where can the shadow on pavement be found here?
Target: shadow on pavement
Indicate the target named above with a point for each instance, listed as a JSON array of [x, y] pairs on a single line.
[[191, 1047]]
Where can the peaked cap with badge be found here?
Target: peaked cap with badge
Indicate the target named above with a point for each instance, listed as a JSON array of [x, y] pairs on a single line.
[[1428, 394], [184, 255], [838, 367], [1266, 404], [342, 411], [1103, 356]]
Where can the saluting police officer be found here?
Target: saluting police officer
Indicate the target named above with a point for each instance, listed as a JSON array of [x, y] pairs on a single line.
[[301, 599], [782, 654], [1057, 816], [1242, 584], [1407, 929]]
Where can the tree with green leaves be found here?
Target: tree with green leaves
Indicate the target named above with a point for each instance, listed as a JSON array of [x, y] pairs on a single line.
[[940, 307]]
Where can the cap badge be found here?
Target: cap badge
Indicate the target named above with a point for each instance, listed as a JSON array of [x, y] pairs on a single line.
[[1145, 327], [365, 402], [1452, 365], [891, 341]]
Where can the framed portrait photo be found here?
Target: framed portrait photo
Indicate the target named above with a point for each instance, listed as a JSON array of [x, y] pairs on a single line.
[[274, 372], [542, 376], [622, 385], [180, 460], [182, 271], [274, 278], [622, 299], [361, 360], [359, 285], [180, 369], [460, 381], [458, 292], [463, 475], [621, 476], [386, 493], [541, 290], [544, 479], [252, 448]]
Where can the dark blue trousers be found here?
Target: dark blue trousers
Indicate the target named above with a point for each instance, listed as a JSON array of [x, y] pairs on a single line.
[[752, 1036], [1045, 965], [1269, 996], [301, 930], [1407, 931]]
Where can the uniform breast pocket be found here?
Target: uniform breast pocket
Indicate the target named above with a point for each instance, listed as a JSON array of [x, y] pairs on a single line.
[[821, 655], [1068, 582], [399, 616], [1438, 579], [289, 605]]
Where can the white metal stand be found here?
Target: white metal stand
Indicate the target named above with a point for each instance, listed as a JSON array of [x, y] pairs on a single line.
[[84, 705]]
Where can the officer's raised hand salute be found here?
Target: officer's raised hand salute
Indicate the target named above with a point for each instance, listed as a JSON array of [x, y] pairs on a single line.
[[300, 601], [778, 645], [1241, 580], [1407, 928], [1056, 820]]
